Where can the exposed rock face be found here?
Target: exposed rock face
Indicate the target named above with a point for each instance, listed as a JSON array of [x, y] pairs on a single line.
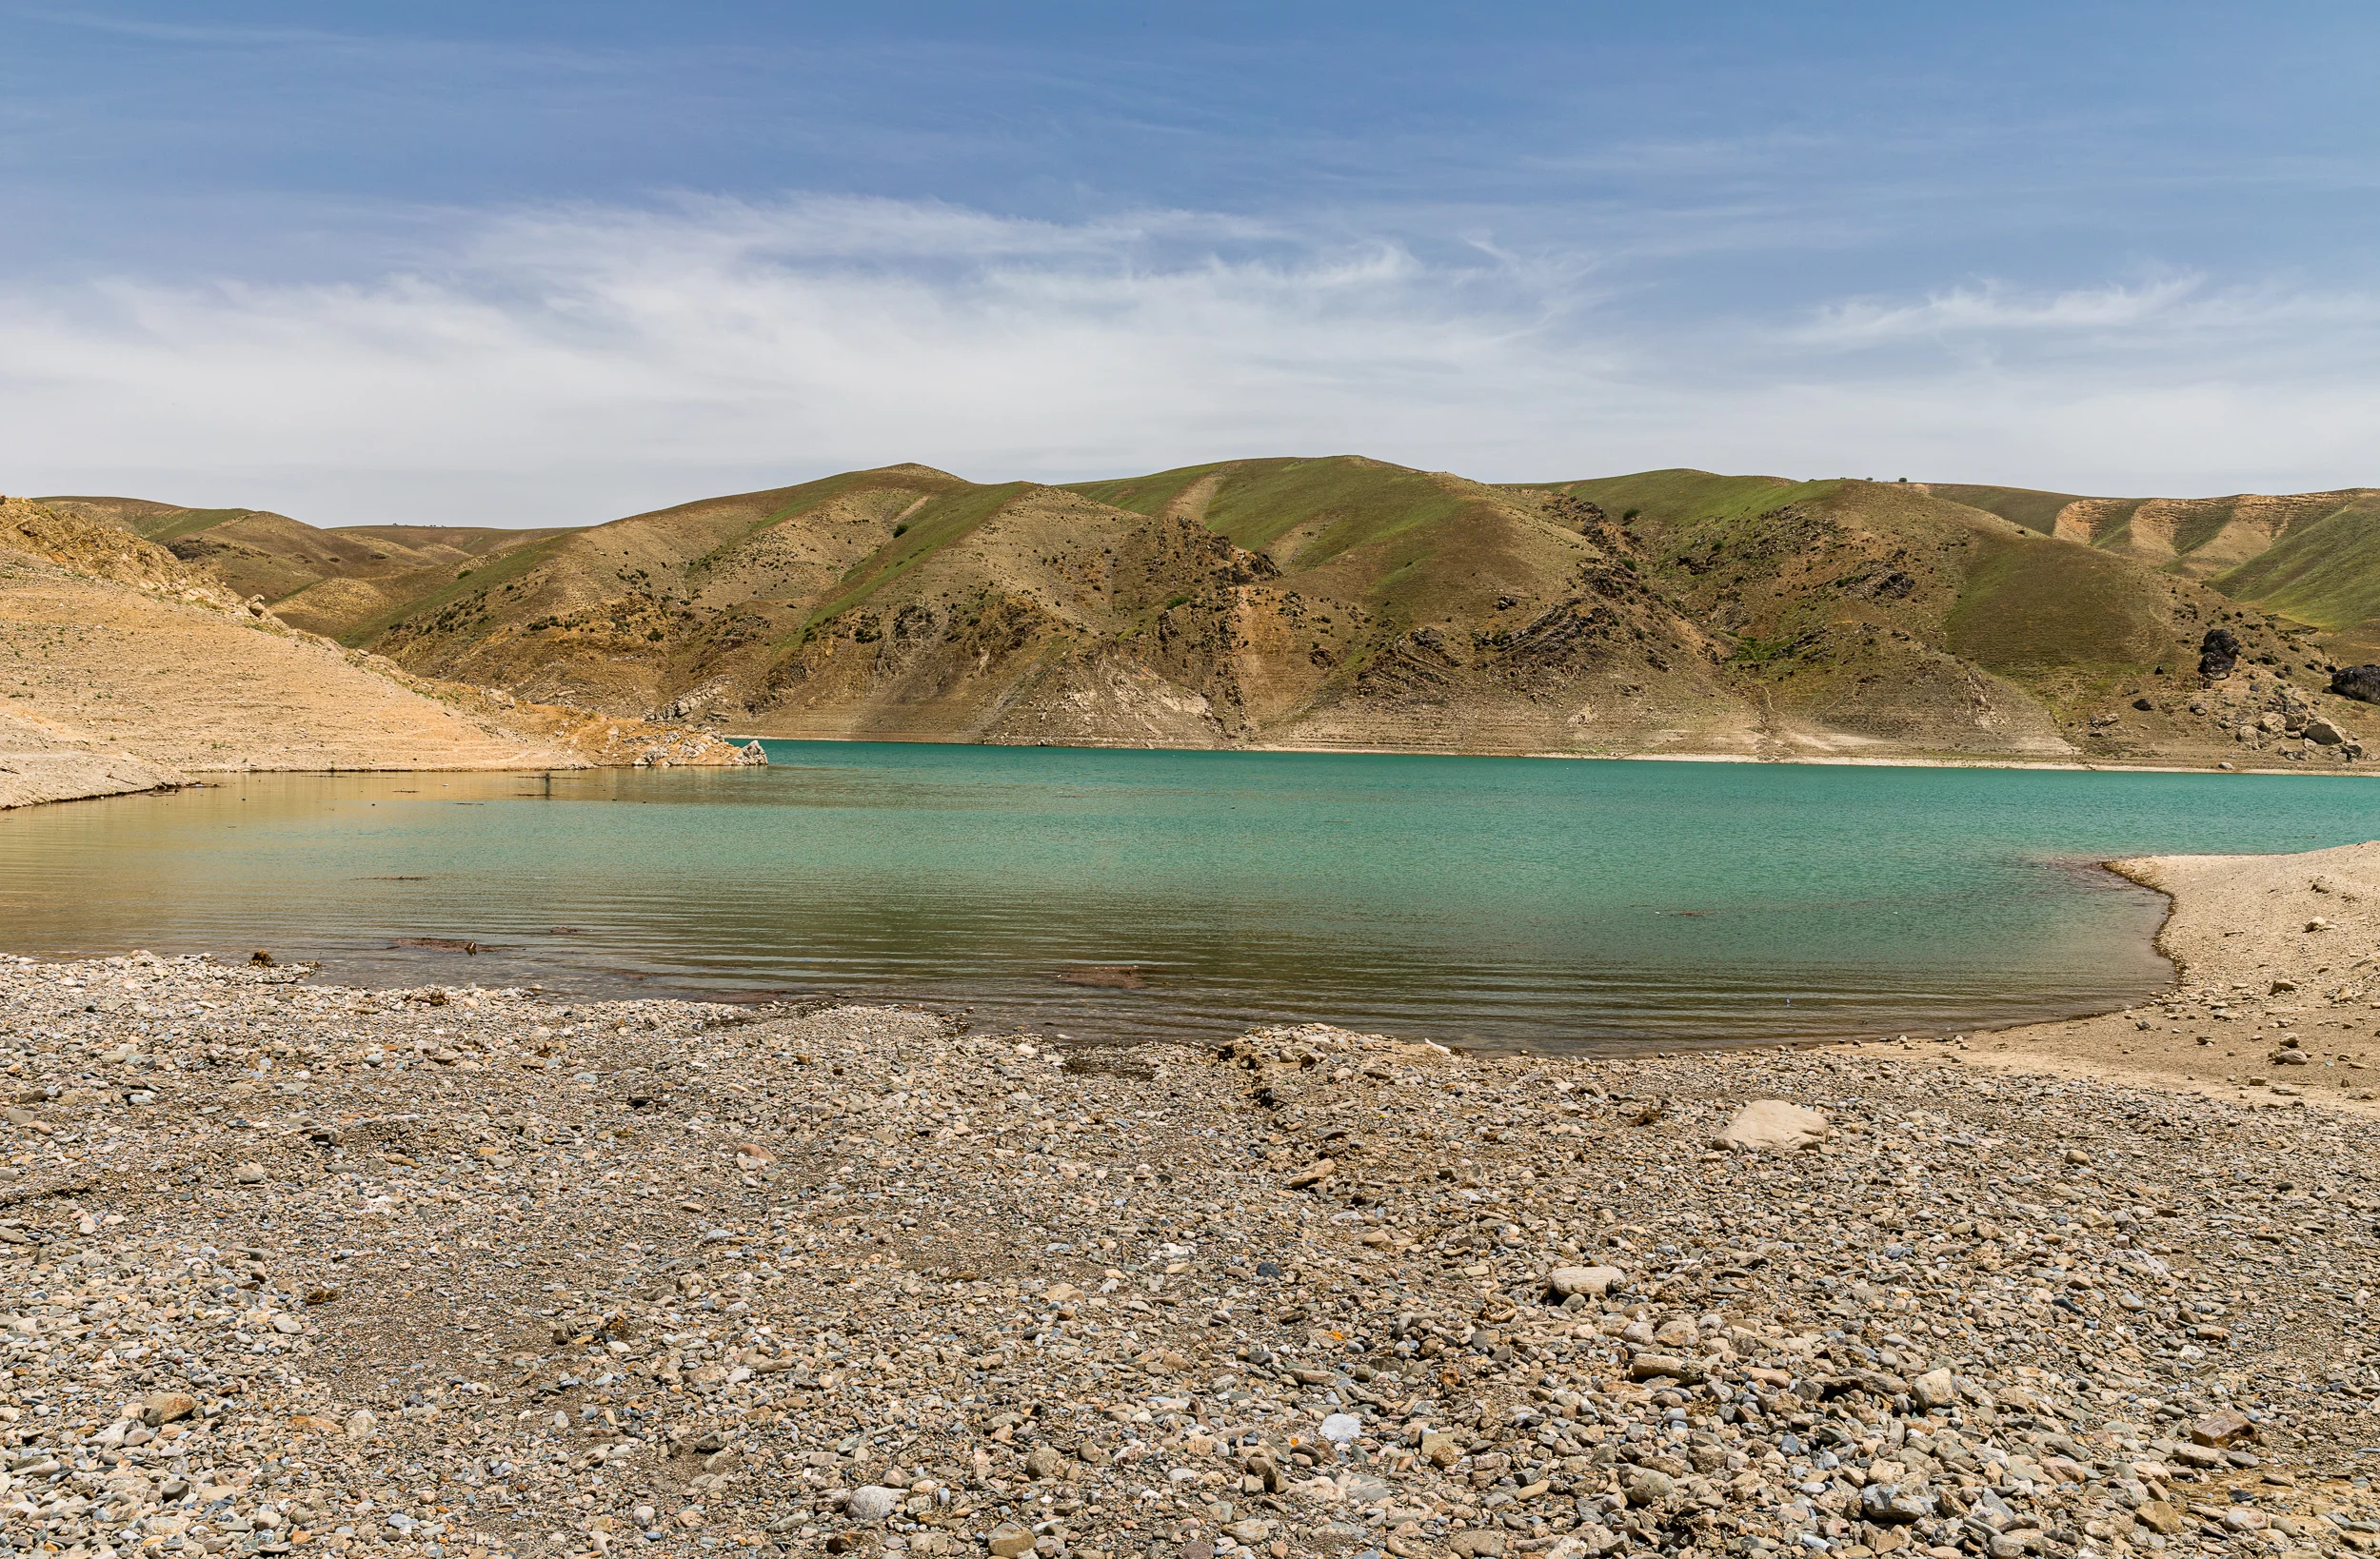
[[2361, 683], [1341, 602], [2217, 653]]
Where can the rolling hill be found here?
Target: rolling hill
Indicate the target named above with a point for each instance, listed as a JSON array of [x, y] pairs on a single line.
[[1376, 606], [126, 668], [1344, 601], [2312, 559], [368, 569]]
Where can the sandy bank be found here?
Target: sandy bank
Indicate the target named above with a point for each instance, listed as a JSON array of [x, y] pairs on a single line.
[[2278, 994]]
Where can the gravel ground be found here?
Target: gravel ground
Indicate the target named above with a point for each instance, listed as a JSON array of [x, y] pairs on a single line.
[[454, 1272]]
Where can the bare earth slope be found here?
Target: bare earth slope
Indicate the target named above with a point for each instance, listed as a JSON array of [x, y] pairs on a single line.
[[110, 641], [123, 668], [1347, 601], [315, 579], [43, 761], [199, 690]]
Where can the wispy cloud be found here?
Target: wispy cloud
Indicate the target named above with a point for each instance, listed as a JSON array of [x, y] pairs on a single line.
[[577, 363], [92, 20], [1992, 310]]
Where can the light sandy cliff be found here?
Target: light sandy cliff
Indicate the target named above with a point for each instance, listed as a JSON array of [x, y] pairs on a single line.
[[42, 762], [123, 668]]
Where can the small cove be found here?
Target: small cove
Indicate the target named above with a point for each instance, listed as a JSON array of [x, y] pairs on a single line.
[[1121, 894]]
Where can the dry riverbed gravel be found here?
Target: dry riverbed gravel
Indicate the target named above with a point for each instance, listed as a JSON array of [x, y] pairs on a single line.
[[452, 1272]]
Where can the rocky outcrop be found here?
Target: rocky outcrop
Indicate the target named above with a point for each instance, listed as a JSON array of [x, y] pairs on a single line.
[[2361, 683], [2217, 653]]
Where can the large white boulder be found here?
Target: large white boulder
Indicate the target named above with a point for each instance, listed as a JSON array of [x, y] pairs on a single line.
[[1774, 1126], [1592, 1281]]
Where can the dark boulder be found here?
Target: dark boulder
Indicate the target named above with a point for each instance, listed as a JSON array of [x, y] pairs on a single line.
[[2217, 653], [2361, 684]]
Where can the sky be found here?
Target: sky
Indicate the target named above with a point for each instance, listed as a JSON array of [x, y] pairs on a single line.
[[542, 262]]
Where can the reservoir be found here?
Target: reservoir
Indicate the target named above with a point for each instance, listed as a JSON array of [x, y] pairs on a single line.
[[1121, 895]]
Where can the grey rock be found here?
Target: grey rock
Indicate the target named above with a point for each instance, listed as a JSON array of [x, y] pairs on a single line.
[[1888, 1505], [872, 1503]]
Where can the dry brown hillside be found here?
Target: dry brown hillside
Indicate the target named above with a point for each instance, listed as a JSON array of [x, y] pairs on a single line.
[[1377, 607], [255, 552], [1345, 602], [125, 668]]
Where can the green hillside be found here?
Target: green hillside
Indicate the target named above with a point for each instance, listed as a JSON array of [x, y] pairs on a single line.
[[2027, 506], [1345, 601], [1658, 502], [2325, 572]]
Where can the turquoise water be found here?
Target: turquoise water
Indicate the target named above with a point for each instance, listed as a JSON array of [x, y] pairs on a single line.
[[1492, 901]]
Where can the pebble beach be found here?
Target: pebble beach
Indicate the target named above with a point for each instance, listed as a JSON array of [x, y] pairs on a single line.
[[457, 1271]]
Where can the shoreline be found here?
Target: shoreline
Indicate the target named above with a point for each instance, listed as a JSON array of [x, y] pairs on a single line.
[[599, 982], [193, 777], [1914, 760], [644, 1273], [2272, 954]]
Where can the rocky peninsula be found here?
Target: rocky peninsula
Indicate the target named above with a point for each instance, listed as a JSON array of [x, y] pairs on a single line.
[[451, 1271]]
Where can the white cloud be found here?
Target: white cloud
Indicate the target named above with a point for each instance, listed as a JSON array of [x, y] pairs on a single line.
[[1992, 310], [575, 363], [2158, 313]]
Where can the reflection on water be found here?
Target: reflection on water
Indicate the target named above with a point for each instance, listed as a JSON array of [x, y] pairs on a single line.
[[1124, 894]]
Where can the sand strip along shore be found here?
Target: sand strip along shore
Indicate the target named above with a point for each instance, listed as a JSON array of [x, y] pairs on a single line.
[[449, 1271], [2278, 999]]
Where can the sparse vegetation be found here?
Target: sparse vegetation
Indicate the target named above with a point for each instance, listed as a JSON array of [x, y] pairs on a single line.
[[1343, 599]]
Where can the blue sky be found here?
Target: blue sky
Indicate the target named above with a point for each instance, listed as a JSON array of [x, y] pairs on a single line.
[[540, 263]]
